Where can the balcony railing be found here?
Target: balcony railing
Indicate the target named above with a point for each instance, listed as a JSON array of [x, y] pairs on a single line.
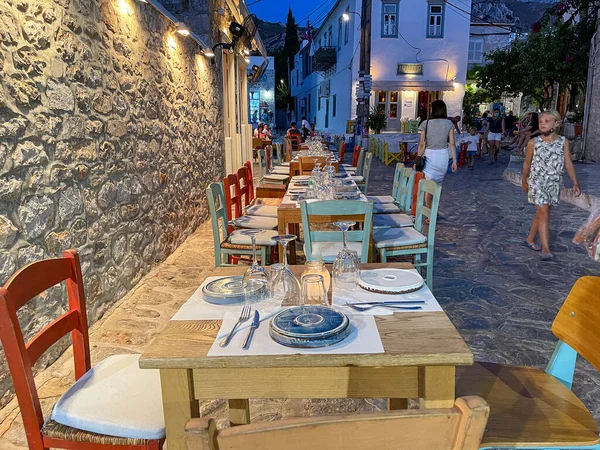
[[324, 59]]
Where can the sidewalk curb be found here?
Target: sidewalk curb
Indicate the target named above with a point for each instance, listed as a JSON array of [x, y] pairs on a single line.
[[585, 201]]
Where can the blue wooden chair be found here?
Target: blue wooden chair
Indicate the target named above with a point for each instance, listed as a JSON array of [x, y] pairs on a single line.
[[398, 173], [232, 244], [409, 241], [366, 171], [401, 217], [329, 243], [400, 179], [263, 171], [532, 408]]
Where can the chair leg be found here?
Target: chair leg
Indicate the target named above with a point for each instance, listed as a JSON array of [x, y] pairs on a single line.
[[383, 254]]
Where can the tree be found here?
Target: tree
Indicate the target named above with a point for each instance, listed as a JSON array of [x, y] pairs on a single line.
[[555, 51], [292, 43], [284, 62]]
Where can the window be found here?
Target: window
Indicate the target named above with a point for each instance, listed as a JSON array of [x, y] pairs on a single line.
[[330, 36], [435, 21], [476, 51], [339, 41], [334, 108], [319, 104], [346, 28], [389, 19]]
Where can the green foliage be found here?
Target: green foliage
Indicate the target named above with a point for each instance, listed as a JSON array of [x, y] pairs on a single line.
[[473, 98], [377, 120], [284, 62], [283, 96], [292, 43], [555, 51]]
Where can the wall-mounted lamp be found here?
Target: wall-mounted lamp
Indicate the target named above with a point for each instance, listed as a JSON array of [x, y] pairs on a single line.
[[453, 78], [208, 53], [247, 60], [182, 29], [246, 52], [346, 15]]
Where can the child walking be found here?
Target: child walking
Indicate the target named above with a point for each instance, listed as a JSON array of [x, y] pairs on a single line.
[[547, 157], [473, 140]]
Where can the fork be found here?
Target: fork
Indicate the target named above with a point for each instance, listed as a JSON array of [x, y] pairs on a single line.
[[366, 308], [244, 316]]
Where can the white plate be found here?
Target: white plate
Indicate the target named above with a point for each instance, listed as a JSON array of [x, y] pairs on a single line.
[[393, 281]]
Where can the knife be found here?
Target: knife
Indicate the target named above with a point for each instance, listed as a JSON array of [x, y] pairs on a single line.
[[254, 326], [397, 302]]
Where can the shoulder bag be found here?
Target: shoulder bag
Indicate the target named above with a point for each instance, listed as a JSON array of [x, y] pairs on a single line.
[[420, 161]]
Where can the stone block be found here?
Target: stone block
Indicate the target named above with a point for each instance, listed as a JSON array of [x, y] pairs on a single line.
[[30, 254], [57, 242], [9, 33], [102, 103], [28, 154], [73, 127], [116, 128], [36, 214], [8, 232], [23, 92], [8, 266], [10, 189], [36, 34], [60, 97], [70, 204]]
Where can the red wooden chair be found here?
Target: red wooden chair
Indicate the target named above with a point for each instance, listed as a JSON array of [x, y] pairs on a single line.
[[355, 156], [26, 284], [342, 152], [243, 183], [250, 179], [233, 201]]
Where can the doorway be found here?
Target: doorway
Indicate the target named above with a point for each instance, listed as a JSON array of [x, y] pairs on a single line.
[[327, 113]]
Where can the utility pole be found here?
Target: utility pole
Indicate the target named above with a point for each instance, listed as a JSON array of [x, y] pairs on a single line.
[[364, 71]]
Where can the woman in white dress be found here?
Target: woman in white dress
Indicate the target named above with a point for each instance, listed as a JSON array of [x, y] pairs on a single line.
[[437, 144]]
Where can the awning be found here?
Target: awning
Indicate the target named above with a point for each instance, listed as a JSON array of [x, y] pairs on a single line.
[[413, 85]]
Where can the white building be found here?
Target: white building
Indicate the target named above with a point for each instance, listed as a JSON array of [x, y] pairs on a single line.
[[261, 90], [418, 54]]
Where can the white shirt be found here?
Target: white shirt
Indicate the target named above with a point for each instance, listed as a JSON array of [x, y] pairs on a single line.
[[305, 124], [473, 141]]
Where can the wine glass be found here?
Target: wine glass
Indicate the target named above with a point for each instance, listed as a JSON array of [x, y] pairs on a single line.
[[346, 267], [285, 286], [256, 275]]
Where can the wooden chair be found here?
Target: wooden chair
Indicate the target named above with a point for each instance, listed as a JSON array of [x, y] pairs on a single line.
[[244, 185], [235, 211], [531, 408], [264, 175], [400, 218], [356, 156], [409, 241], [457, 428], [391, 156], [390, 204], [229, 245], [351, 168], [249, 181], [307, 163], [329, 243], [135, 409], [366, 172]]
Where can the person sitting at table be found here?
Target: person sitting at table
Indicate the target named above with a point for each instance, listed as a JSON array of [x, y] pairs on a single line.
[[259, 131], [313, 132], [292, 130], [267, 133]]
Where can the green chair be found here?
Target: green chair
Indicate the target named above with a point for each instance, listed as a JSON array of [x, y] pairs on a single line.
[[263, 173], [395, 188], [401, 176], [358, 176], [409, 241], [232, 244], [366, 170], [400, 218], [329, 243]]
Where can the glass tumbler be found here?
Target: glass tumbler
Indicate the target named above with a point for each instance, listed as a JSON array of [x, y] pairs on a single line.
[[313, 290]]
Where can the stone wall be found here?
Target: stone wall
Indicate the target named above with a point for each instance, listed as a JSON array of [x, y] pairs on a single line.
[[110, 131], [592, 143]]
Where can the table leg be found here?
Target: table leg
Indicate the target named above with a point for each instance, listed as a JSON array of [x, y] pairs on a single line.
[[397, 403], [294, 229], [179, 404], [239, 412], [281, 229], [436, 386]]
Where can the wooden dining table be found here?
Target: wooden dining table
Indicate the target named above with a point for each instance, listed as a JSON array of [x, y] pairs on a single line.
[[421, 352]]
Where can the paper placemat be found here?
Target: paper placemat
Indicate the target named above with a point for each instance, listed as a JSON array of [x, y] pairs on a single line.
[[364, 338], [359, 295], [198, 309]]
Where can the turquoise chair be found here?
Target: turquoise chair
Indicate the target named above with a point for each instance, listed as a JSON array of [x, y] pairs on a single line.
[[400, 184], [360, 164], [400, 218], [409, 241], [329, 243], [531, 408], [366, 171], [264, 175], [234, 244], [395, 188]]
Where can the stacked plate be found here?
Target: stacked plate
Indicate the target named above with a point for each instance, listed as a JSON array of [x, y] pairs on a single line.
[[390, 281], [309, 326], [229, 291]]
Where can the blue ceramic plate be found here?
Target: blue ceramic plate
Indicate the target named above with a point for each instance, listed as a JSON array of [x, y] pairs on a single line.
[[340, 175], [309, 326], [229, 291]]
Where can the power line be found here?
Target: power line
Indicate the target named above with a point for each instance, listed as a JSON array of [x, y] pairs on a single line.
[[475, 17]]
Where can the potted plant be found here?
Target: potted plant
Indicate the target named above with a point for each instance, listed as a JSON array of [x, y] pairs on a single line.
[[376, 120]]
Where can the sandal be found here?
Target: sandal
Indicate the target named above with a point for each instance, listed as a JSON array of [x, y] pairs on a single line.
[[547, 257], [534, 247]]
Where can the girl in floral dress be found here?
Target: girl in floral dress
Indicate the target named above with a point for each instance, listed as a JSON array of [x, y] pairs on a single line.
[[547, 157]]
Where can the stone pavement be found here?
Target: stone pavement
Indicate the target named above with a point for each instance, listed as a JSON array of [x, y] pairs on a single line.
[[497, 292]]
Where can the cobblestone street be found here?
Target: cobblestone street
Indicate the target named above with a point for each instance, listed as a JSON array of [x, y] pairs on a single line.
[[497, 292]]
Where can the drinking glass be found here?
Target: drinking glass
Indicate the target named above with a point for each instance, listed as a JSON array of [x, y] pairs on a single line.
[[256, 274], [285, 286], [317, 267], [346, 267], [313, 290]]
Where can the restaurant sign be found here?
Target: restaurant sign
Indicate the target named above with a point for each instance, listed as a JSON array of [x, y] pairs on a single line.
[[410, 69]]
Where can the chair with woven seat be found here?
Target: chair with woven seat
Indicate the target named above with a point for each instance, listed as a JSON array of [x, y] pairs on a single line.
[[229, 244], [398, 174], [245, 191], [275, 169], [401, 218], [264, 175], [235, 209], [532, 408], [409, 241], [399, 206], [457, 428], [329, 243], [114, 405]]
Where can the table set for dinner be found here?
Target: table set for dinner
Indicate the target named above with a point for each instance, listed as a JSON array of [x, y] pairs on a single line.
[[345, 330]]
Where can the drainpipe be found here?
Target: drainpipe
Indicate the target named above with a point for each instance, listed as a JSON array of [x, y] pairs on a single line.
[[588, 93]]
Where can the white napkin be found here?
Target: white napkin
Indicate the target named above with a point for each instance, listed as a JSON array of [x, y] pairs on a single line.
[[196, 308], [364, 338]]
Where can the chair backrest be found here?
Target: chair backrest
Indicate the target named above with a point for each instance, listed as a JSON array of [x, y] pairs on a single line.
[[457, 428], [24, 285], [250, 180], [233, 199], [295, 141], [244, 186], [416, 180], [359, 211], [342, 152], [256, 142], [355, 156], [397, 183], [287, 150], [262, 164], [361, 161], [405, 192], [367, 170], [576, 323], [429, 187], [217, 207], [279, 151], [307, 163]]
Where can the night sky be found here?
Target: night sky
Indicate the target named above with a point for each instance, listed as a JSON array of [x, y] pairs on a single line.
[[276, 10]]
